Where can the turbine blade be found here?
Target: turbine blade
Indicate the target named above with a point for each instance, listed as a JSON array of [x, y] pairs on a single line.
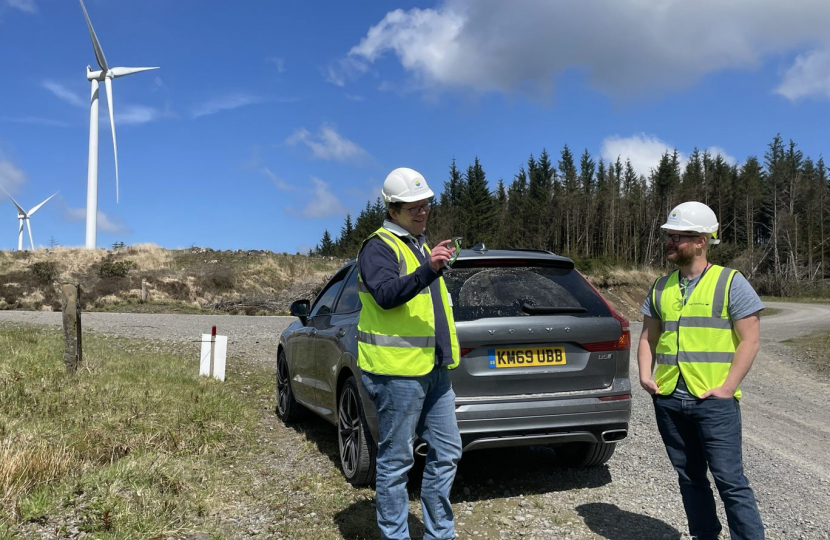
[[35, 209], [17, 205], [20, 235], [96, 46], [122, 71], [108, 83], [31, 241]]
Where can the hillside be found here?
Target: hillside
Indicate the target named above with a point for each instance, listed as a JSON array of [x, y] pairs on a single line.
[[193, 280], [202, 280]]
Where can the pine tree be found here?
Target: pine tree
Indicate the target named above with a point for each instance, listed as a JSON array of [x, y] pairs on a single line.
[[326, 248], [479, 209]]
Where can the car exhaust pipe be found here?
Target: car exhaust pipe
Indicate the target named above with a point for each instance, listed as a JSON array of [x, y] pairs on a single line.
[[614, 435], [421, 449]]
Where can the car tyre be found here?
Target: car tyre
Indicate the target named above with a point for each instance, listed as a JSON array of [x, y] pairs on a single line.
[[287, 407], [585, 454], [354, 440]]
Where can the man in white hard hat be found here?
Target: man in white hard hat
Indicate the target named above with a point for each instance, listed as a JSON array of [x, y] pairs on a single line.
[[701, 329], [406, 345]]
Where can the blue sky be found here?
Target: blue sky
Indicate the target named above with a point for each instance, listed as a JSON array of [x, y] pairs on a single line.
[[268, 122]]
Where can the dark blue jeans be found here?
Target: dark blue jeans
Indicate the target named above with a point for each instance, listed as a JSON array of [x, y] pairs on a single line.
[[701, 434], [410, 407]]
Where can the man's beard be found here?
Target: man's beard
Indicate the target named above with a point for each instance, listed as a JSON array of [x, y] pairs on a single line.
[[681, 258]]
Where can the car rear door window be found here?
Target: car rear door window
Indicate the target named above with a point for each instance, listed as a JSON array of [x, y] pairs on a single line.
[[325, 300], [349, 300], [515, 291]]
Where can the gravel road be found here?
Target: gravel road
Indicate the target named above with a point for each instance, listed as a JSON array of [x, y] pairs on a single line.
[[515, 494]]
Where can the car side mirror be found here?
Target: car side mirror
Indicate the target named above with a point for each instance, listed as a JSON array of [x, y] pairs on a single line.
[[300, 309]]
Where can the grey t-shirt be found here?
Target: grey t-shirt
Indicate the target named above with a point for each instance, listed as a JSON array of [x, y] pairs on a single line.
[[743, 301]]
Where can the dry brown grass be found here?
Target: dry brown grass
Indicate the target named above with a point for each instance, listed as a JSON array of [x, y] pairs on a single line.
[[25, 467], [187, 279]]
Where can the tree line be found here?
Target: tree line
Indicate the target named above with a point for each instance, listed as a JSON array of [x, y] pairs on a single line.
[[773, 211]]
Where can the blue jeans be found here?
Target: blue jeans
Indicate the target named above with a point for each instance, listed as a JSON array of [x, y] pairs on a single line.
[[408, 407], [707, 433]]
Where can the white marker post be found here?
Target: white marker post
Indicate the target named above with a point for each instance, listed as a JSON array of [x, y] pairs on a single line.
[[212, 357]]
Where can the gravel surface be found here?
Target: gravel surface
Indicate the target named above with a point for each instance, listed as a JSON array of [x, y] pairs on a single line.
[[519, 493]]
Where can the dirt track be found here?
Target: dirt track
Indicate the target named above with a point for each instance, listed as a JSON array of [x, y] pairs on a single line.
[[516, 495]]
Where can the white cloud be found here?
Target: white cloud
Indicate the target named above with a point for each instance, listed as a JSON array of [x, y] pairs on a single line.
[[64, 93], [625, 46], [27, 6], [278, 62], [126, 114], [11, 177], [35, 120], [136, 114], [225, 103], [104, 223], [278, 182], [718, 151], [329, 145], [325, 203], [643, 151], [808, 76]]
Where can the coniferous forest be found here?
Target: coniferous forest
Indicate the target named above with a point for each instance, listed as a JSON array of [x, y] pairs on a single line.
[[774, 212]]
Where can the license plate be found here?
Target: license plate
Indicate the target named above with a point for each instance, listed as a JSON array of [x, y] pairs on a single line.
[[529, 357]]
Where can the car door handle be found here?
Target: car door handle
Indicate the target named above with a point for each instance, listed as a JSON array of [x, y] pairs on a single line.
[[341, 332], [313, 332]]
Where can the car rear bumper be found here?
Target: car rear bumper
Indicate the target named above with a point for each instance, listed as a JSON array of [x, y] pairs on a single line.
[[534, 420]]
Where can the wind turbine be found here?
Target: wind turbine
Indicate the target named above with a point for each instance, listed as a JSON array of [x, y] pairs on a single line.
[[23, 216], [106, 74]]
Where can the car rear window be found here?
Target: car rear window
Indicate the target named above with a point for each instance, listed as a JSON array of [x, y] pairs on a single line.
[[496, 291]]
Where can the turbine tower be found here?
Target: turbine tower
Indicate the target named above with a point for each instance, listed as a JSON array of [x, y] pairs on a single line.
[[23, 216], [106, 74]]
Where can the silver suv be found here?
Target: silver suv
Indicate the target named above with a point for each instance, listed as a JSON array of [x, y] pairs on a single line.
[[544, 361]]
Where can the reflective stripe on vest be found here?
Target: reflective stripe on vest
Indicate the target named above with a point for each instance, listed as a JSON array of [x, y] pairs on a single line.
[[697, 339], [401, 340]]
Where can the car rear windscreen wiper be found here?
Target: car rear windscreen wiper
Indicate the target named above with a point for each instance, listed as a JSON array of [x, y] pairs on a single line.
[[549, 310]]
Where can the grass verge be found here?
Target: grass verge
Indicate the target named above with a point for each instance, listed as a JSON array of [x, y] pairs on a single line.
[[128, 447]]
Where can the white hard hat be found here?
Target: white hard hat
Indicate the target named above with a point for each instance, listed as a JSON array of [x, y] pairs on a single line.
[[405, 185], [693, 216]]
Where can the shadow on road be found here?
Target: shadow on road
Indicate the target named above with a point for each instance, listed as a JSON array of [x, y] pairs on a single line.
[[359, 522], [509, 472], [610, 522], [482, 474]]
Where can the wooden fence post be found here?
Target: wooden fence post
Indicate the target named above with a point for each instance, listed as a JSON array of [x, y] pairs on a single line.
[[71, 306]]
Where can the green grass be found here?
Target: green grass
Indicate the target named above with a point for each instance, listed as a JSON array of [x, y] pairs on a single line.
[[130, 446], [768, 312]]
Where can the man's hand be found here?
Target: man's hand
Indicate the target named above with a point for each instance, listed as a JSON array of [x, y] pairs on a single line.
[[650, 386], [439, 255], [720, 392]]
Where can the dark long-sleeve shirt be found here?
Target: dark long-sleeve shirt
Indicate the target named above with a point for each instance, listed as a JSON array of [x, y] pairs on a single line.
[[378, 266]]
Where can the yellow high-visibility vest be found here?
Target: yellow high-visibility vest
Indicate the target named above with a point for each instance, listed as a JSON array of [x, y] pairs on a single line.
[[697, 339], [401, 340]]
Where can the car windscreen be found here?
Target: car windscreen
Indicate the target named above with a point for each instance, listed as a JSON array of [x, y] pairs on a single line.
[[514, 291]]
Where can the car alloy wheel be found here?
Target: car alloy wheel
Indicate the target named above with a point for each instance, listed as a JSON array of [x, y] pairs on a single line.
[[287, 407], [357, 449]]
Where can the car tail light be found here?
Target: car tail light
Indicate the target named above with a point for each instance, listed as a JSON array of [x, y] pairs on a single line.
[[622, 344], [465, 351], [618, 397]]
